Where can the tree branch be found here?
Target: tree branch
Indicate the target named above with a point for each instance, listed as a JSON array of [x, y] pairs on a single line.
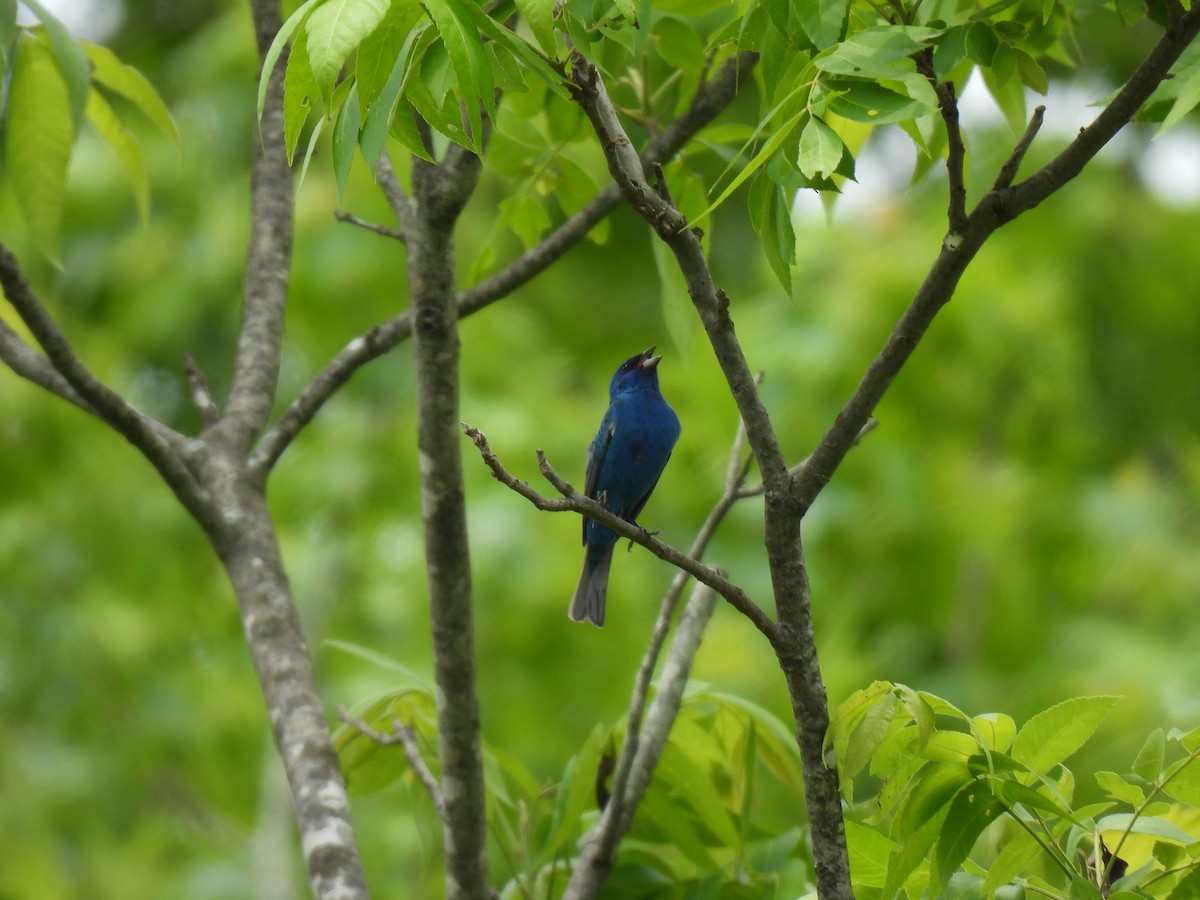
[[264, 295], [394, 233], [637, 760], [996, 208], [711, 304], [956, 212], [439, 193], [715, 95], [795, 645], [37, 368], [1008, 171], [159, 444], [574, 501]]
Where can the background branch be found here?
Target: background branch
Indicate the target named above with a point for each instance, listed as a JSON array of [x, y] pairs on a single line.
[[440, 192], [794, 643]]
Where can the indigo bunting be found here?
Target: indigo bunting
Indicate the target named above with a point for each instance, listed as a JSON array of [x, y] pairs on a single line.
[[625, 459]]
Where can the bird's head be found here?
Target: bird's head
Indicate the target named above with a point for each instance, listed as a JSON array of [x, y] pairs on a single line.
[[639, 372]]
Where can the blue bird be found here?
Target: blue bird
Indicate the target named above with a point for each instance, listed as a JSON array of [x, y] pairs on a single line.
[[625, 460]]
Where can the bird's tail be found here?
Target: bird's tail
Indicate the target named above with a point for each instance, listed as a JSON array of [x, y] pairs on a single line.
[[588, 602]]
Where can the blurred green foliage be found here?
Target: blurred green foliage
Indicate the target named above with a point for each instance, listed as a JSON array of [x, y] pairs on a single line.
[[1021, 528]]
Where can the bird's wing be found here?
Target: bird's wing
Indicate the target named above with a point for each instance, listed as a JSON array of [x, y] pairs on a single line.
[[637, 507], [597, 450]]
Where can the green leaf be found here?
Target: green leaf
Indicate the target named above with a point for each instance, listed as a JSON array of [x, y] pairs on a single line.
[[8, 30], [872, 729], [1083, 889], [1006, 89], [822, 20], [971, 810], [470, 62], [113, 75], [995, 730], [1187, 888], [404, 129], [869, 854], [865, 101], [345, 139], [981, 43], [1017, 853], [1148, 764], [934, 787], [103, 118], [679, 45], [576, 793], [379, 660], [1120, 789], [820, 150], [299, 90], [539, 16], [72, 61], [883, 52], [776, 741], [39, 133], [772, 220], [1054, 734], [1183, 781], [1187, 99], [914, 849], [383, 112], [526, 216], [519, 47], [773, 143], [294, 21], [334, 30], [377, 55], [1151, 825], [950, 746]]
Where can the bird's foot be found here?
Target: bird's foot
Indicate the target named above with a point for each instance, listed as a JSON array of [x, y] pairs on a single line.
[[645, 534]]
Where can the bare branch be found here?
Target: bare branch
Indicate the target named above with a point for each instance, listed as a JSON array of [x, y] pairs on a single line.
[[711, 304], [757, 489], [439, 193], [405, 737], [159, 444], [956, 212], [596, 860], [995, 209], [201, 398], [1008, 171], [36, 367], [264, 293], [394, 233], [574, 501]]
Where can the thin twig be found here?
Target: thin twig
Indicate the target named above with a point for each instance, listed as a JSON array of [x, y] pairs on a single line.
[[956, 211], [161, 445], [1008, 171], [201, 397], [350, 218], [405, 737], [37, 368]]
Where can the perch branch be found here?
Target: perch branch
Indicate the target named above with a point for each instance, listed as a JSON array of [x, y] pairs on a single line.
[[37, 368], [1008, 171], [574, 501], [600, 853]]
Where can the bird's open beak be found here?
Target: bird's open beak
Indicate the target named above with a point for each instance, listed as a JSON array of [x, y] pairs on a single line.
[[649, 360]]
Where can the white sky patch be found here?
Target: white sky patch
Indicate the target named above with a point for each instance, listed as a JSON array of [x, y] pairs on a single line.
[[90, 20], [1169, 165]]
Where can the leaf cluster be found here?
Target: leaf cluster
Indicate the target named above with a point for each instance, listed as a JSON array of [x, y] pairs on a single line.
[[978, 807], [54, 84]]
